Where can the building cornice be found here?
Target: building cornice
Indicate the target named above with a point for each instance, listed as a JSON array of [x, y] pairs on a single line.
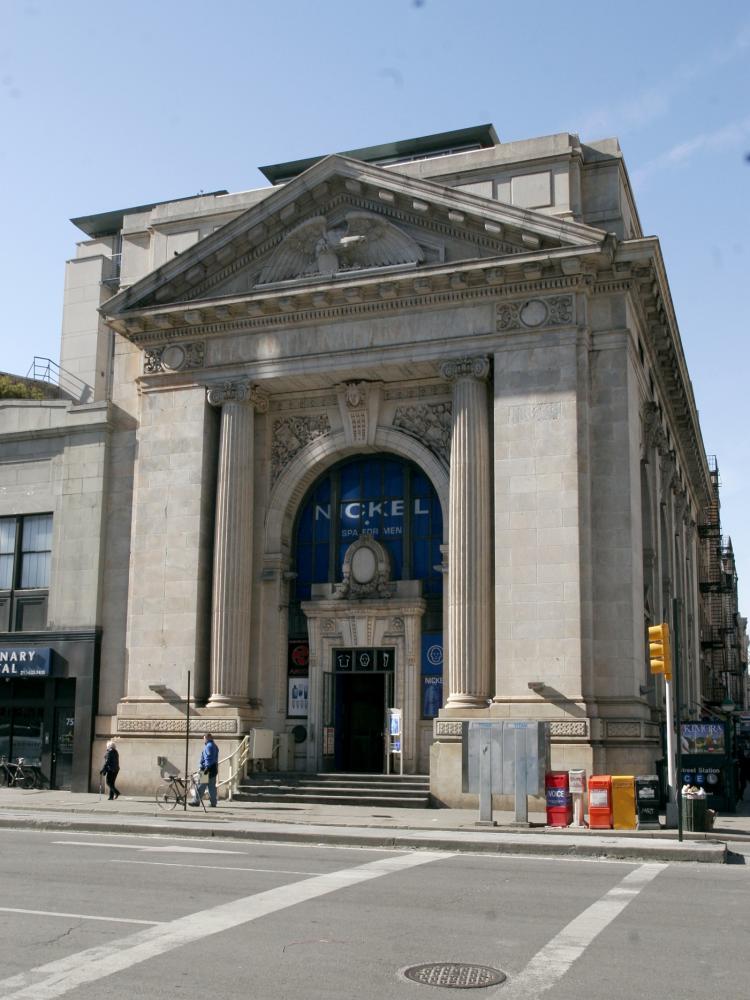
[[639, 271], [304, 304]]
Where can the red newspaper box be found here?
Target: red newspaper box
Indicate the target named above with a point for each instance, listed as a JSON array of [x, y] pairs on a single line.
[[600, 802], [559, 802]]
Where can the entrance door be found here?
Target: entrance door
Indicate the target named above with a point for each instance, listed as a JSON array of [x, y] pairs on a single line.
[[62, 755], [360, 718]]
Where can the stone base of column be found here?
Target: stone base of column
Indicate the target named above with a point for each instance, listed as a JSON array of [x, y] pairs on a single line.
[[227, 701], [463, 702]]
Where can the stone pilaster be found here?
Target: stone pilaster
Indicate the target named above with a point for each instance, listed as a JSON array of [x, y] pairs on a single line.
[[233, 542], [469, 577]]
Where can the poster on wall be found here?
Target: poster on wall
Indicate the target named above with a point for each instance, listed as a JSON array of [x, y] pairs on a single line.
[[432, 696], [297, 697], [299, 658], [702, 737]]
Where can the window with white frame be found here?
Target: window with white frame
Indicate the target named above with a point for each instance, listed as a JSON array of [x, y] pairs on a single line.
[[25, 556]]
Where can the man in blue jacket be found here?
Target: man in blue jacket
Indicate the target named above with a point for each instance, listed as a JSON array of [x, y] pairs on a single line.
[[209, 768]]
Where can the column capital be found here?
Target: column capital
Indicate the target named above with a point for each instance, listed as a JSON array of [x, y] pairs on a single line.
[[237, 391], [457, 368]]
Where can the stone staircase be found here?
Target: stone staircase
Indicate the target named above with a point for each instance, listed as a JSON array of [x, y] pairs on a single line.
[[386, 791]]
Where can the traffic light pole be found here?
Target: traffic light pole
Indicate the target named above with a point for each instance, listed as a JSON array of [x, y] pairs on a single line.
[[678, 698]]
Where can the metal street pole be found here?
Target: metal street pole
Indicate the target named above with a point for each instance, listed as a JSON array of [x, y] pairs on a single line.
[[187, 742], [677, 694], [671, 781]]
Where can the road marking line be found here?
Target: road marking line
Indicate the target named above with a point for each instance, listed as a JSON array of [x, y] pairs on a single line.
[[78, 916], [552, 961], [54, 979], [176, 849], [217, 868]]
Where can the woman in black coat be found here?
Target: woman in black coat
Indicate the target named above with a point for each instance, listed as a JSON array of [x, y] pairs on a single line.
[[111, 769]]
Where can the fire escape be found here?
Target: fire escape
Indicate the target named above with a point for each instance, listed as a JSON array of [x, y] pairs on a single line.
[[723, 642]]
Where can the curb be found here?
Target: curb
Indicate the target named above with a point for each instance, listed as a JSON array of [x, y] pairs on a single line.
[[539, 845]]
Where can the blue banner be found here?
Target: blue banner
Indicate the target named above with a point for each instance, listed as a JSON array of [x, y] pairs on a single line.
[[25, 661]]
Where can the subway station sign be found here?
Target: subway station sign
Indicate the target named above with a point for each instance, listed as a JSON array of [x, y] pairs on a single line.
[[25, 661]]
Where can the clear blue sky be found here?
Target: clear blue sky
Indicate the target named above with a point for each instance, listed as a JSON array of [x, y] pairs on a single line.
[[108, 105]]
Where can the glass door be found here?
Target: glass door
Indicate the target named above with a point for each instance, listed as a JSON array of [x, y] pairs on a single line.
[[328, 720], [62, 753]]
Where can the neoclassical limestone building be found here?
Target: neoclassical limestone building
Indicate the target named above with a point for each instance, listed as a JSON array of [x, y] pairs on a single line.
[[411, 427]]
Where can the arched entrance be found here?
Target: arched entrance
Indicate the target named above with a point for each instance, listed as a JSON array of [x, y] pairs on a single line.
[[367, 597]]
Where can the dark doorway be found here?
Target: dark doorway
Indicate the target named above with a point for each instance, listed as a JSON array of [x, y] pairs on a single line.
[[360, 718]]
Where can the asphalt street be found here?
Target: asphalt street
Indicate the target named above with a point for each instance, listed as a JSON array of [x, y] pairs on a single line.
[[114, 917]]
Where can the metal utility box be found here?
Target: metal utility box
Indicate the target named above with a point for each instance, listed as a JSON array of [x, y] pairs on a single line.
[[512, 745], [600, 802], [647, 799], [260, 744], [623, 801]]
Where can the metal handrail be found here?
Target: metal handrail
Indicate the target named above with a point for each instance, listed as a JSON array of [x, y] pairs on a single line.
[[46, 370], [237, 761]]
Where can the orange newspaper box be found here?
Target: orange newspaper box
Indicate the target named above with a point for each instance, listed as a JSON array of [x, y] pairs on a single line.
[[600, 802], [623, 802]]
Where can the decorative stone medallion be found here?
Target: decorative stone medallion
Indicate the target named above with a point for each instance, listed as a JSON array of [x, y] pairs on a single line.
[[533, 313], [366, 570]]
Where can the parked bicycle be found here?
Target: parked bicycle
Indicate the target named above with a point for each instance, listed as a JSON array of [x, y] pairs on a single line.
[[20, 774], [176, 790]]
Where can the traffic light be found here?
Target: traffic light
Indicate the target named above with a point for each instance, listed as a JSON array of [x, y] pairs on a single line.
[[659, 651]]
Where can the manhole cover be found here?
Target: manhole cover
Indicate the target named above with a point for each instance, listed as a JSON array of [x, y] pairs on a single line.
[[455, 975]]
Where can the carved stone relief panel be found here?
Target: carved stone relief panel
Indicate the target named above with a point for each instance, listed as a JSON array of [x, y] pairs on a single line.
[[446, 727], [531, 314], [174, 357], [429, 423], [293, 433], [322, 246], [573, 728], [169, 726]]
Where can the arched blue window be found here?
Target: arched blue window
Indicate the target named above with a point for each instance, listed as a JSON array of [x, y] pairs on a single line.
[[384, 496]]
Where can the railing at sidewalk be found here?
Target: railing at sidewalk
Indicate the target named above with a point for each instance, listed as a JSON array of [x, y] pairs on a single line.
[[237, 762]]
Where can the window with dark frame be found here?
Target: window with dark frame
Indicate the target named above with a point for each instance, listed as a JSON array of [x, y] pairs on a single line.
[[25, 557]]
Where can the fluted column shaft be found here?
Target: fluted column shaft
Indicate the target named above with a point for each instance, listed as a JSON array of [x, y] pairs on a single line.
[[233, 544], [469, 538]]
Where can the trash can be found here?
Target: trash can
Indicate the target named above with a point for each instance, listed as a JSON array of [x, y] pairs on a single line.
[[695, 813], [559, 803], [600, 802], [623, 802], [647, 793]]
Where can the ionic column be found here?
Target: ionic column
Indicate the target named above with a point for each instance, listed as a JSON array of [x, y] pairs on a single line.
[[233, 542], [469, 537]]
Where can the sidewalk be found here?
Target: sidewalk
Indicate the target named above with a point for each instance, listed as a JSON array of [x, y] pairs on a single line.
[[437, 829]]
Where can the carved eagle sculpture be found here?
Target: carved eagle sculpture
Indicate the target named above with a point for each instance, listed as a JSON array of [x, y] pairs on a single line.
[[362, 240]]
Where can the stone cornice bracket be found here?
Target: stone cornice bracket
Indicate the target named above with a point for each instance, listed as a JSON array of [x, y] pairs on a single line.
[[668, 475], [478, 368], [359, 406], [238, 391], [653, 434]]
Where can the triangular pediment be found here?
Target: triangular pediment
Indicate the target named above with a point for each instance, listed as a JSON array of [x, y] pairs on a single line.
[[342, 220]]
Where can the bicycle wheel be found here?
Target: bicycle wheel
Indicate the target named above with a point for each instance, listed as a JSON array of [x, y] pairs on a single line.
[[26, 780], [167, 798]]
